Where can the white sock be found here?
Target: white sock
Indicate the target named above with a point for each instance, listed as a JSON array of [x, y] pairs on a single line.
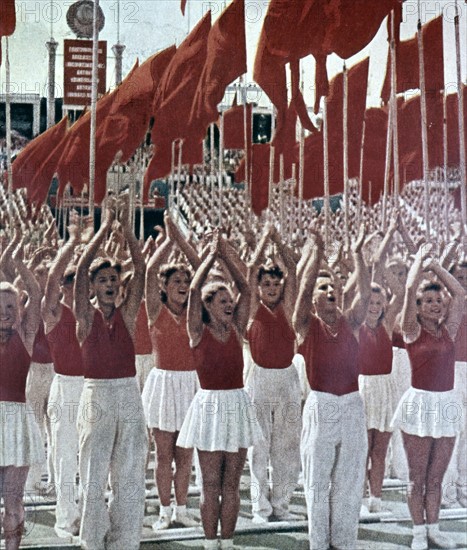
[[181, 509], [165, 511], [211, 544], [227, 543]]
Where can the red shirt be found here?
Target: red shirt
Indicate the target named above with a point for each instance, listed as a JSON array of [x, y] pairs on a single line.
[[331, 360], [170, 342], [375, 350], [398, 340], [272, 340], [143, 344], [14, 368], [108, 351], [41, 350], [64, 346], [432, 361], [219, 365], [461, 340]]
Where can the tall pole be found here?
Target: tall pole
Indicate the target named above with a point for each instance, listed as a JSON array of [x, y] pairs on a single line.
[[52, 49], [8, 121], [395, 126], [92, 141], [221, 163], [460, 98], [327, 202], [445, 171], [346, 157]]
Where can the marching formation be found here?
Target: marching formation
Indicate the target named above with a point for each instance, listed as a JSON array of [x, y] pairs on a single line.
[[298, 356]]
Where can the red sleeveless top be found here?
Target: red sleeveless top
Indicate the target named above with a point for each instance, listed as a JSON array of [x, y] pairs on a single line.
[[375, 350], [143, 344], [432, 361], [170, 342], [398, 340], [219, 365], [272, 340], [14, 368], [331, 360], [64, 346], [108, 351], [41, 350]]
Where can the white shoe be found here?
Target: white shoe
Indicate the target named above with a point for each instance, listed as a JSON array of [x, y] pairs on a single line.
[[184, 519], [374, 505], [440, 539], [419, 541], [259, 519], [161, 524]]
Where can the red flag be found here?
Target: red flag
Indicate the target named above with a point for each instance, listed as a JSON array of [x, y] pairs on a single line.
[[7, 20], [234, 123], [226, 61], [260, 153], [313, 181], [374, 153], [174, 99], [29, 163], [452, 120], [407, 60]]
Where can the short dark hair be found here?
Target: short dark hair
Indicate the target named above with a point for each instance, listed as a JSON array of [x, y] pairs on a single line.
[[103, 263], [270, 269], [436, 287]]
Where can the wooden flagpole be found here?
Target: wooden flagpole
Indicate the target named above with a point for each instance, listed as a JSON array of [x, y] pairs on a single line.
[[387, 167], [221, 164], [212, 176], [301, 176], [172, 178], [271, 177], [327, 202], [360, 178], [460, 98], [445, 170], [246, 141], [92, 141], [281, 195], [395, 126], [179, 177], [8, 120], [346, 156]]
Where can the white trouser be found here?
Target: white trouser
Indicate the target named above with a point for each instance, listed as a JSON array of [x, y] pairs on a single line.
[[65, 394], [275, 394], [38, 384], [113, 446], [334, 450], [455, 478]]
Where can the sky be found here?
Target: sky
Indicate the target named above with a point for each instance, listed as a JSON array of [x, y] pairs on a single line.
[[147, 26]]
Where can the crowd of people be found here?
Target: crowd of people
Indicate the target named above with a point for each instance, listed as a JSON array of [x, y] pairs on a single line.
[[301, 350]]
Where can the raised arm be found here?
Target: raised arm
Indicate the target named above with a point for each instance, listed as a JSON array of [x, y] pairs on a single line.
[[195, 304], [302, 314], [379, 259], [357, 312], [82, 306], [253, 269], [242, 310], [135, 287], [6, 261], [51, 301], [183, 244], [290, 282]]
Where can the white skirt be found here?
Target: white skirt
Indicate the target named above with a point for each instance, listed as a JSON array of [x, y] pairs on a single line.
[[429, 413], [20, 438], [379, 399], [167, 396], [220, 420]]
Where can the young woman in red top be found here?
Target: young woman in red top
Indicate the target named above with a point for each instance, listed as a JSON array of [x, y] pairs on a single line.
[[20, 440], [172, 384], [220, 422], [429, 412], [112, 431]]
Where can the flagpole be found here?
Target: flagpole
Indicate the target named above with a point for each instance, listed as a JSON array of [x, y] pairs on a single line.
[[291, 202], [179, 177], [271, 177], [395, 125], [346, 156], [301, 175], [221, 163], [92, 141], [445, 160], [212, 176], [326, 204], [141, 214], [172, 178], [460, 98], [387, 168], [8, 120], [423, 121], [360, 182], [246, 139]]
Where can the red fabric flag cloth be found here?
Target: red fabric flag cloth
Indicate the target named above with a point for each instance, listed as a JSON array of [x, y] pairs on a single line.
[[28, 165], [174, 98], [374, 154], [260, 153], [452, 120], [407, 60], [159, 166], [313, 172], [357, 79], [225, 61], [7, 20], [183, 6], [234, 123], [126, 124]]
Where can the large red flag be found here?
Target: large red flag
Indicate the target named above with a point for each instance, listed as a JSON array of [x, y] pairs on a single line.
[[313, 181], [407, 61], [28, 164], [7, 20], [374, 153], [260, 153], [234, 124], [225, 61], [174, 98], [452, 120]]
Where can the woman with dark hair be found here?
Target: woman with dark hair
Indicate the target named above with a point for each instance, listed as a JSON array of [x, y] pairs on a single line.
[[376, 384], [274, 386], [429, 412], [173, 382], [20, 440], [220, 423]]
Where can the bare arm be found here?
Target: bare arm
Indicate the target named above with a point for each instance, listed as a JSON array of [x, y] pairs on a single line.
[[7, 266], [184, 244], [290, 283], [357, 312]]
